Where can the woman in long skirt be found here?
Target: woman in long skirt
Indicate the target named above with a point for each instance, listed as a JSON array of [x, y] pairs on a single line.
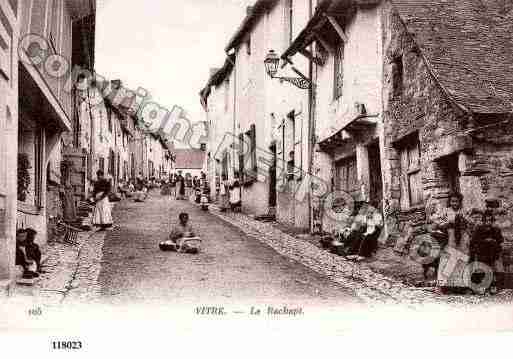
[[181, 187], [224, 195], [102, 215], [451, 276]]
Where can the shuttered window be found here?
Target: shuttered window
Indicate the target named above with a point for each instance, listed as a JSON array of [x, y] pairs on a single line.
[[38, 17], [345, 175], [338, 80], [411, 180]]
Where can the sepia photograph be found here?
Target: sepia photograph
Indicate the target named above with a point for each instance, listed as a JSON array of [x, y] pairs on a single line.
[[177, 171]]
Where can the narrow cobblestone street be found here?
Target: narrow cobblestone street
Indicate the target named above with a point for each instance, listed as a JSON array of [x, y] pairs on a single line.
[[231, 265]]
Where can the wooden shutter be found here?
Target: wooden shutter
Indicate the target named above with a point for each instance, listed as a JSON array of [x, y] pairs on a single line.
[[241, 157], [414, 174], [253, 153]]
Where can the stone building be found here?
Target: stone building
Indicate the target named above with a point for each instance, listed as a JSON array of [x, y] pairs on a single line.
[[447, 110], [348, 117], [408, 103], [9, 37], [45, 101], [218, 102], [36, 101], [412, 102]]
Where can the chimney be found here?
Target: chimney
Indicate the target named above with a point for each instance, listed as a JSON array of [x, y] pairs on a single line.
[[249, 10]]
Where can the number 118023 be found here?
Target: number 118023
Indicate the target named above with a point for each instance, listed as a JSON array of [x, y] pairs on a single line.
[[67, 345]]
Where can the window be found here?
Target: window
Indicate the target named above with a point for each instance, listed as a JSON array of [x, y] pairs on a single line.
[[292, 146], [248, 44], [132, 165], [338, 78], [450, 169], [101, 164], [411, 180], [345, 178], [397, 76], [112, 162], [226, 95], [248, 163], [289, 13], [30, 163], [55, 28], [109, 117], [291, 166]]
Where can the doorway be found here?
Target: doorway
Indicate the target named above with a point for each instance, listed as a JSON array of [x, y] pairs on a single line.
[[272, 176], [375, 176]]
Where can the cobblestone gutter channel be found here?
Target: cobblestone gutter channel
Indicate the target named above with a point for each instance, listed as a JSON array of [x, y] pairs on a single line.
[[370, 287]]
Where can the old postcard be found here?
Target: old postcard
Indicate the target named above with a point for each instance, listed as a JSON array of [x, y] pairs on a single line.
[[242, 168]]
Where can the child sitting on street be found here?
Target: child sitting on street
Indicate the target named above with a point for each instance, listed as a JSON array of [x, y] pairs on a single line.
[[182, 231]]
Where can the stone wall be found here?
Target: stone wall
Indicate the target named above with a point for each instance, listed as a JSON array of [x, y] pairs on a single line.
[[481, 151], [422, 108], [490, 177]]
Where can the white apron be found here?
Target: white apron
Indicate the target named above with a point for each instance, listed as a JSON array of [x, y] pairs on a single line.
[[102, 214]]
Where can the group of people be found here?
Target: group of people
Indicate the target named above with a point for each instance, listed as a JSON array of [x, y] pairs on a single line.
[[470, 247], [229, 194], [136, 189], [359, 240]]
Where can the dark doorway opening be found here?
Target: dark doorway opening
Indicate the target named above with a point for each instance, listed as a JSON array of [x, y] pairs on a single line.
[[376, 180], [272, 176]]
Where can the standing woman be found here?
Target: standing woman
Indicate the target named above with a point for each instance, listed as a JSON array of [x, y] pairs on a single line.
[[181, 187], [224, 194], [102, 215], [453, 223]]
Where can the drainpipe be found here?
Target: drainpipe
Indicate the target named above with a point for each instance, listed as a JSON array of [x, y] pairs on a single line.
[[311, 127], [234, 113]]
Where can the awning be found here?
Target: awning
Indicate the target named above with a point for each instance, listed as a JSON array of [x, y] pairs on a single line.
[[361, 123], [38, 100]]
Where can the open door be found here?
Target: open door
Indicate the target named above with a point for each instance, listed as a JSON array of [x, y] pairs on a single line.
[[272, 178], [376, 179]]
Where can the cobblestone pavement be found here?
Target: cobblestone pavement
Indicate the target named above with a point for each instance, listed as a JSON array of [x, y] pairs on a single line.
[[231, 267], [71, 273], [242, 260], [371, 287]]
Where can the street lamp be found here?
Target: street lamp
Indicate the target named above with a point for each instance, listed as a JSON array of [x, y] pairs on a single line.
[[271, 63]]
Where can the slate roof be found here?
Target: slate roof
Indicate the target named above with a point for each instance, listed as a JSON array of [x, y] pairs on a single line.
[[189, 158], [469, 46]]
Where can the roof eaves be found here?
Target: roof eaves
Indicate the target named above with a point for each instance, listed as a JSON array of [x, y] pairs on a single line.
[[318, 20], [259, 8]]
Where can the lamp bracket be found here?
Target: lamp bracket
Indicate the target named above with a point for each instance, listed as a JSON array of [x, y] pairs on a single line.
[[299, 82]]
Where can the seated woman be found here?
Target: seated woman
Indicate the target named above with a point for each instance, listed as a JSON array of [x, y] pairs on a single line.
[[182, 230], [140, 191], [362, 237], [28, 252], [486, 248]]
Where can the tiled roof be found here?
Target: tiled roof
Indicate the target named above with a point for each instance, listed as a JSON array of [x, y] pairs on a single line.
[[469, 47], [189, 158]]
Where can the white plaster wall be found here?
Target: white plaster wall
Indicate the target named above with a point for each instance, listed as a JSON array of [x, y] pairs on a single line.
[[362, 75]]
